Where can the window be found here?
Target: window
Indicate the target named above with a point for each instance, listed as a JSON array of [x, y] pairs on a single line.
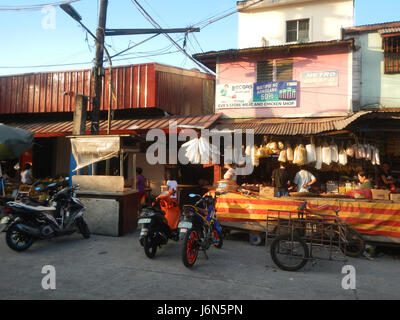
[[275, 70], [298, 30], [391, 47]]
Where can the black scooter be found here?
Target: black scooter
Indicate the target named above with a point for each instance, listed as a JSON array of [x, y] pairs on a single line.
[[30, 220]]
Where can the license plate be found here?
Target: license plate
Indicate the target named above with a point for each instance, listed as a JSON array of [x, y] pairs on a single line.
[[184, 225], [144, 221], [143, 232]]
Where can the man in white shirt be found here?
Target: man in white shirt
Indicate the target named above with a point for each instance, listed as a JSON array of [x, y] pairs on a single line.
[[304, 180], [26, 175]]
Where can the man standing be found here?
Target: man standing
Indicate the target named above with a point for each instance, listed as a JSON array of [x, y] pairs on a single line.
[[304, 180], [281, 180]]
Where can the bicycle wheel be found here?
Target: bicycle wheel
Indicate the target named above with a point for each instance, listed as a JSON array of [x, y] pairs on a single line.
[[289, 252], [354, 245]]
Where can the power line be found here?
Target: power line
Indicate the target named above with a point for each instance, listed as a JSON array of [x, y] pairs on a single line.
[[36, 7]]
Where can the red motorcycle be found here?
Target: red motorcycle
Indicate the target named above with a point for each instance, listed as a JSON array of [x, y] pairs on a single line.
[[159, 223]]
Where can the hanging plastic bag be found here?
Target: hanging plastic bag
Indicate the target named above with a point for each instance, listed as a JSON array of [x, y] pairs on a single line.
[[282, 156], [350, 150], [335, 152], [311, 154], [318, 157], [342, 157], [326, 153], [377, 157], [289, 153], [300, 155]]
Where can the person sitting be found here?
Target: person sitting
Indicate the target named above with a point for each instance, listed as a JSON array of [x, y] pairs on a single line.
[[26, 175], [365, 182]]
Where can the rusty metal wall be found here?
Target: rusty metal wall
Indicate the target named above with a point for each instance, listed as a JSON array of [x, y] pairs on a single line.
[[134, 87]]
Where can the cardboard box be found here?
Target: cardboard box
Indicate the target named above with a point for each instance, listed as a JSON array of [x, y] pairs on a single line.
[[378, 194], [395, 197], [268, 192]]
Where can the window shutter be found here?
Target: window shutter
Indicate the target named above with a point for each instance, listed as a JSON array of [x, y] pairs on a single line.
[[284, 70], [291, 31], [265, 71], [304, 28]]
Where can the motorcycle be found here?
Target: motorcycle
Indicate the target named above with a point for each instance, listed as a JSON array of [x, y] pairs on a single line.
[[159, 223], [200, 228], [29, 220]]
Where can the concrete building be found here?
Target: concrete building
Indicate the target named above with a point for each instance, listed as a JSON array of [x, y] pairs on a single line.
[[280, 22], [376, 65]]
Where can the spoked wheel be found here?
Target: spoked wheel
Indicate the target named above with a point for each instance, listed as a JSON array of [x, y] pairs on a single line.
[[190, 248], [83, 228], [150, 248], [218, 241], [18, 241], [289, 252], [354, 246]]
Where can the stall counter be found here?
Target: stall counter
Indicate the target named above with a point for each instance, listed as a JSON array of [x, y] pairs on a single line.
[[376, 220]]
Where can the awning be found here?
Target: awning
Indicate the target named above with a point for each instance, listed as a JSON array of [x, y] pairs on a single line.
[[289, 126], [63, 128]]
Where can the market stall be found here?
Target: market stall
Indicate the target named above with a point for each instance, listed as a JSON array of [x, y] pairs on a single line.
[[105, 170]]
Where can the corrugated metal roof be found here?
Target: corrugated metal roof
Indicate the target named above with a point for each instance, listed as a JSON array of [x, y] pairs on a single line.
[[291, 127], [372, 27], [64, 128], [389, 30]]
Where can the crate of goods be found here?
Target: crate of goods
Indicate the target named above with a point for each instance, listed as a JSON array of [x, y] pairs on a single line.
[[395, 197], [378, 194], [268, 192]]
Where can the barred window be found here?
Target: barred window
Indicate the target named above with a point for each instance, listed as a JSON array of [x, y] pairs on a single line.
[[265, 71], [391, 47]]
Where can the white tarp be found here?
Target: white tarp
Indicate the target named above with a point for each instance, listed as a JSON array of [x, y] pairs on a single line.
[[87, 151]]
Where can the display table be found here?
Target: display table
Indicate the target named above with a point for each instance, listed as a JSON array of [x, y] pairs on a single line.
[[110, 213], [376, 220]]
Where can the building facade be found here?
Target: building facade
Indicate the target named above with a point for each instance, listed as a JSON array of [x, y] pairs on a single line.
[[281, 22]]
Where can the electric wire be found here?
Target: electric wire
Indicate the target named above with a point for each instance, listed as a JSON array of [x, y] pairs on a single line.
[[36, 7]]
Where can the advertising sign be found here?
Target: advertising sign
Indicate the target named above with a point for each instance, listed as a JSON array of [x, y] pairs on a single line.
[[257, 95], [316, 79]]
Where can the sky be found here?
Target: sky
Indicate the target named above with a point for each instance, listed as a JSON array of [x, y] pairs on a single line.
[[48, 40]]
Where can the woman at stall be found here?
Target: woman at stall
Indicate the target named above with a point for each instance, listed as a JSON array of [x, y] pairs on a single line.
[[364, 181], [387, 181]]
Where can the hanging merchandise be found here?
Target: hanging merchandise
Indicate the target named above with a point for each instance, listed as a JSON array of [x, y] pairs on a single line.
[[377, 158], [326, 153], [248, 151], [350, 150], [300, 155], [318, 157], [334, 151], [311, 154], [289, 153], [368, 152], [342, 157], [373, 159], [282, 156], [255, 160], [281, 145]]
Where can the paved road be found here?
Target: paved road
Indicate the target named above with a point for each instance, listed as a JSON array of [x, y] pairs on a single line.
[[116, 268]]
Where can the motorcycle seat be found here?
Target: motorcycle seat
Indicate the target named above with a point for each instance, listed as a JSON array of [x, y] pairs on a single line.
[[33, 208]]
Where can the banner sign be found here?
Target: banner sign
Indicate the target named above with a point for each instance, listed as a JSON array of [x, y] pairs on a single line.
[[318, 79], [257, 95]]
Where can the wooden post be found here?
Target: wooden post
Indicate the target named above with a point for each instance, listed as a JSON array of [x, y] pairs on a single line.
[[79, 122]]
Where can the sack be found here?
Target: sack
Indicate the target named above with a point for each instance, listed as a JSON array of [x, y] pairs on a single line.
[[300, 155], [282, 156]]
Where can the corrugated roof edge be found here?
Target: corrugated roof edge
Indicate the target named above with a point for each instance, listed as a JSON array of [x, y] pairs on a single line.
[[371, 27], [256, 50]]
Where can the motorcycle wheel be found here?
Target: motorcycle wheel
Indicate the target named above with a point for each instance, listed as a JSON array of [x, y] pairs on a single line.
[[83, 228], [190, 248], [150, 249], [218, 241], [18, 241]]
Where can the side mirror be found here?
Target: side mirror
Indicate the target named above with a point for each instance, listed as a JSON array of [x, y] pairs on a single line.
[[192, 195]]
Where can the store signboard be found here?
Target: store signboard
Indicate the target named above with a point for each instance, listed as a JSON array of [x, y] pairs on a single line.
[[317, 79], [276, 94], [257, 95]]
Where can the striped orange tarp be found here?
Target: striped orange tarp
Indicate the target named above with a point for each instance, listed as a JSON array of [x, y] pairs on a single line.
[[367, 217]]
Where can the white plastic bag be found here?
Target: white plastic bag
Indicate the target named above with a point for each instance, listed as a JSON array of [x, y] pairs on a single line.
[[282, 156], [342, 157], [326, 154], [318, 156], [289, 154], [335, 153], [311, 154]]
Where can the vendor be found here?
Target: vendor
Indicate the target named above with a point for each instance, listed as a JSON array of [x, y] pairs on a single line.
[[386, 180], [230, 174], [304, 180], [281, 181], [365, 182]]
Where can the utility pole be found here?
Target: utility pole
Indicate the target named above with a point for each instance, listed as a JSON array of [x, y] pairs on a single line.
[[98, 70]]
